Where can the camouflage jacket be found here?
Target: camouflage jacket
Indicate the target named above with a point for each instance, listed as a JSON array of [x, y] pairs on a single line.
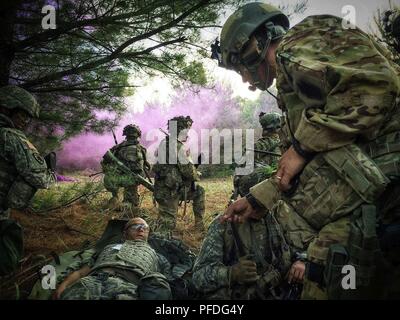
[[219, 252], [130, 153], [335, 84], [340, 93], [174, 167], [22, 168]]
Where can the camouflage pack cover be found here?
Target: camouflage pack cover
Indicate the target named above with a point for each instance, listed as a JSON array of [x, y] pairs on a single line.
[[270, 120], [13, 97]]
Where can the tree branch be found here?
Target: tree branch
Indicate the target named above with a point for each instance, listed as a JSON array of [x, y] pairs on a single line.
[[96, 63]]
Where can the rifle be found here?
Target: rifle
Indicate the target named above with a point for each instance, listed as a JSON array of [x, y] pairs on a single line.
[[235, 193], [115, 138], [126, 170], [275, 154]]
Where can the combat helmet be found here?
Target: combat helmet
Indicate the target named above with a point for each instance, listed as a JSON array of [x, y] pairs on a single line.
[[131, 130], [239, 27], [182, 122], [13, 97], [391, 23], [270, 121]]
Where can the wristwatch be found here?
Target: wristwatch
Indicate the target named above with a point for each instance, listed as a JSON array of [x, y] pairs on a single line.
[[303, 153], [253, 202]]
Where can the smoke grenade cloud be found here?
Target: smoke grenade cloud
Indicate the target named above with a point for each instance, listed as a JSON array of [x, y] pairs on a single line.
[[209, 108]]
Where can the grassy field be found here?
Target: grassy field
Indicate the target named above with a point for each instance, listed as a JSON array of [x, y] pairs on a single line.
[[69, 214]]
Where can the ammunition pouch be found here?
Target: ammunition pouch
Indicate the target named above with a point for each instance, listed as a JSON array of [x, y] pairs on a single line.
[[362, 252], [359, 171], [332, 275]]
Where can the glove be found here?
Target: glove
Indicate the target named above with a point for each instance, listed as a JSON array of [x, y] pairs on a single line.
[[244, 272]]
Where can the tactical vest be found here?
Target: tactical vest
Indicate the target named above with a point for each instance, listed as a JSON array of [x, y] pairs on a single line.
[[130, 154], [136, 255]]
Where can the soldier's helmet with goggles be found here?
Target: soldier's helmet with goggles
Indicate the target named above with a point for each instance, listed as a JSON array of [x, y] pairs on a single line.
[[132, 130], [270, 121], [239, 28], [182, 122], [13, 97]]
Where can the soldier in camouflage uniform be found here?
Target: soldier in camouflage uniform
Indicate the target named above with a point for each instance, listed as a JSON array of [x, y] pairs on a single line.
[[245, 261], [131, 153], [176, 176], [264, 164], [22, 169], [126, 271], [339, 176]]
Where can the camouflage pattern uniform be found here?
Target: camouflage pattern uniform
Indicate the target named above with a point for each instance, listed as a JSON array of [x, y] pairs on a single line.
[[219, 252], [22, 169], [131, 153], [175, 182], [340, 93], [118, 272], [264, 164], [22, 172]]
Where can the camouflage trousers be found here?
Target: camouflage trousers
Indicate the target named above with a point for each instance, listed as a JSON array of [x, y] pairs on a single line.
[[112, 182], [168, 203], [101, 287]]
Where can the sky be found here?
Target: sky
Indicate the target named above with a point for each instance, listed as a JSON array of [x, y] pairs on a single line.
[[161, 90]]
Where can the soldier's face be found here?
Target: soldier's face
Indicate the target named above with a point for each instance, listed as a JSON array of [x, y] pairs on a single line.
[[138, 230], [21, 119], [262, 75]]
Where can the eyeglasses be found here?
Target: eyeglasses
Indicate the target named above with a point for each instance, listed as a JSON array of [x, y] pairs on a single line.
[[138, 226]]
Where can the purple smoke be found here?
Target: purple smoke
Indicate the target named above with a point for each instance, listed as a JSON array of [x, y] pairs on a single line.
[[209, 108]]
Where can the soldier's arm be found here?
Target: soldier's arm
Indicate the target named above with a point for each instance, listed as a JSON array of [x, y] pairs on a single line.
[[346, 86], [210, 273], [70, 280], [30, 165]]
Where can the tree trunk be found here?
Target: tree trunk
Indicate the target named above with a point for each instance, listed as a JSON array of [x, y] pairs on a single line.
[[7, 14]]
